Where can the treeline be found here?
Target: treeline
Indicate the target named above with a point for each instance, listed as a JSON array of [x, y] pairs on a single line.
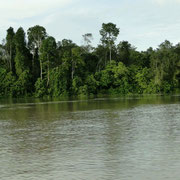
[[40, 66]]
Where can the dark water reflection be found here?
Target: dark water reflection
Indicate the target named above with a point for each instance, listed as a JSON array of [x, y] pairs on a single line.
[[118, 138]]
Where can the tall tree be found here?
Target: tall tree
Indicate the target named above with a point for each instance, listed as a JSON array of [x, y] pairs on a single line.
[[76, 60], [48, 54], [3, 57], [163, 63], [87, 38], [22, 57], [36, 35], [101, 52], [10, 47], [109, 33], [124, 49]]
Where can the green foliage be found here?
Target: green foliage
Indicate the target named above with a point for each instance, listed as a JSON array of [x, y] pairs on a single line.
[[76, 83], [47, 56], [48, 51], [121, 76], [83, 90], [92, 84], [166, 87], [22, 53], [40, 88], [59, 82], [163, 64], [101, 53], [124, 50], [10, 48], [36, 35], [143, 79], [107, 76], [20, 63], [42, 67], [23, 86], [90, 62], [115, 76], [7, 81], [109, 33]]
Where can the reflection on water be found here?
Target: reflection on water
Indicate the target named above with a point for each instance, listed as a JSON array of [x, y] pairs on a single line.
[[120, 138]]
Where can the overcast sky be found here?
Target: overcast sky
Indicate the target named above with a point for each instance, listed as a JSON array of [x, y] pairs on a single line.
[[143, 23]]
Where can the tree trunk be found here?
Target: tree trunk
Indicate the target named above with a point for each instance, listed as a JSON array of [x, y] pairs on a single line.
[[48, 76], [10, 58], [33, 59], [72, 72], [48, 73], [41, 69], [110, 53]]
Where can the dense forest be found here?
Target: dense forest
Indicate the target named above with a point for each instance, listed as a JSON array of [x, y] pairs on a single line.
[[36, 65]]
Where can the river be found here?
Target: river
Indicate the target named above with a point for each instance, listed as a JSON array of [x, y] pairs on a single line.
[[132, 138]]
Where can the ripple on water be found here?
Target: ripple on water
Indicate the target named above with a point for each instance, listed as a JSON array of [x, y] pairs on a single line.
[[99, 141]]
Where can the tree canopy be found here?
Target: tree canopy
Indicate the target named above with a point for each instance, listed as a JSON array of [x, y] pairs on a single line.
[[41, 66]]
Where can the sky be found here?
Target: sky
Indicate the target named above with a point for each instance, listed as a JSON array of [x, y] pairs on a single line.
[[144, 23]]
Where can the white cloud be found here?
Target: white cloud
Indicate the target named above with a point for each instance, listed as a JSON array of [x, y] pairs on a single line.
[[19, 9], [143, 23], [26, 13], [162, 2]]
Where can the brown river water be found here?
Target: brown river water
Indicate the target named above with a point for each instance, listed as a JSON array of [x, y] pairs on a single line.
[[133, 138]]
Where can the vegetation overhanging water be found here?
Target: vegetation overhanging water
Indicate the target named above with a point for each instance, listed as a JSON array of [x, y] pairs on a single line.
[[43, 67]]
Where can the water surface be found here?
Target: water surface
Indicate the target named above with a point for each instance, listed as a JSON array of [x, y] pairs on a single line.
[[109, 138]]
